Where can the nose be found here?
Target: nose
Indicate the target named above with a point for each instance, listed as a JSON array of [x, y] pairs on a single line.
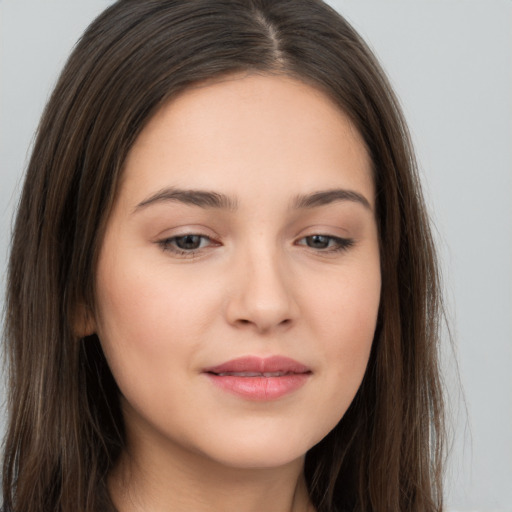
[[262, 296]]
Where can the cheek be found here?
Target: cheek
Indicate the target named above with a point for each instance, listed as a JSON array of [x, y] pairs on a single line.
[[346, 306], [146, 322], [149, 331], [346, 318], [141, 302]]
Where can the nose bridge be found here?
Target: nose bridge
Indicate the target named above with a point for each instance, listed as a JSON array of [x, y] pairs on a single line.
[[263, 294]]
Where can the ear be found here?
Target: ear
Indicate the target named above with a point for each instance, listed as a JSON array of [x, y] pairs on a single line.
[[83, 321]]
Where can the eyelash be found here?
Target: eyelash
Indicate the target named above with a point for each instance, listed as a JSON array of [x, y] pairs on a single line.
[[338, 244], [334, 244]]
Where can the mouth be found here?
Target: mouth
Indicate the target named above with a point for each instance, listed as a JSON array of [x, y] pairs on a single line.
[[260, 379], [252, 374]]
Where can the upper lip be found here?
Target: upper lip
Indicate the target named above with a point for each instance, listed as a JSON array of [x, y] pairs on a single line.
[[259, 365]]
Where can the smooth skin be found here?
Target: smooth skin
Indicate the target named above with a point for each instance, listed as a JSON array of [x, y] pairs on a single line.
[[244, 226]]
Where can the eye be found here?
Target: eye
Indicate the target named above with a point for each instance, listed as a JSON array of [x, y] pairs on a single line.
[[185, 245], [326, 243], [189, 242]]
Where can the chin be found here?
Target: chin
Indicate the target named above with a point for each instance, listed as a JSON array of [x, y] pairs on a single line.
[[263, 459], [265, 450]]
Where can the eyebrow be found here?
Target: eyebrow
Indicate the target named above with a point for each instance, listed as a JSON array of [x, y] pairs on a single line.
[[209, 199], [201, 198], [325, 197]]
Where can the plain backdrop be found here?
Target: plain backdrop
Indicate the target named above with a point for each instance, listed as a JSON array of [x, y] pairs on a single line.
[[450, 62]]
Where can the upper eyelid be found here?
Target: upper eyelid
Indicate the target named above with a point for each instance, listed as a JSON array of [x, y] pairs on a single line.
[[348, 241], [216, 237], [179, 231]]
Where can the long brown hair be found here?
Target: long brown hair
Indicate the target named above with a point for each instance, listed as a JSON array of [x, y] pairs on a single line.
[[65, 428]]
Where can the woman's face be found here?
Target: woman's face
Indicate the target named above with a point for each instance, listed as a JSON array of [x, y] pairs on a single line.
[[239, 280]]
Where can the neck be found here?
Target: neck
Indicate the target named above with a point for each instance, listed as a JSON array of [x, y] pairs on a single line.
[[180, 481]]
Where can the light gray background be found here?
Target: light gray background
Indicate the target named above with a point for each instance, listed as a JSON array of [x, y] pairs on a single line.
[[451, 64]]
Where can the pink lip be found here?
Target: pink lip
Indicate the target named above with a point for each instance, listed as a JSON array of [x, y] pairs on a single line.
[[291, 376]]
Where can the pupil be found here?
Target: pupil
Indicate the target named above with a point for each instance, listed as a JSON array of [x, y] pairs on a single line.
[[188, 241], [318, 241]]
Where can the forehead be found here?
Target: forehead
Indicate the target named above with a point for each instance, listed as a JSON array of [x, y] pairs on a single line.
[[245, 130]]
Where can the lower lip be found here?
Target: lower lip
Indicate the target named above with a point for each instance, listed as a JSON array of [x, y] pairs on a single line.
[[260, 388]]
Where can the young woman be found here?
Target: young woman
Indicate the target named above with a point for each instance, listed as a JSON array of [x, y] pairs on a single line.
[[222, 289]]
